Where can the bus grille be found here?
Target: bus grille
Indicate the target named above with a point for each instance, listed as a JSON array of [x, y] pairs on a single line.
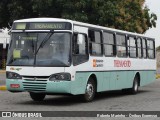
[[35, 78], [34, 86]]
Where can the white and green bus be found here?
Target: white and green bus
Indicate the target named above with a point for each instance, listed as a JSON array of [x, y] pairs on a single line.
[[58, 56]]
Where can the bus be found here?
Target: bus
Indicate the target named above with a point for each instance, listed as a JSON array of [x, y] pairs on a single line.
[[50, 56]]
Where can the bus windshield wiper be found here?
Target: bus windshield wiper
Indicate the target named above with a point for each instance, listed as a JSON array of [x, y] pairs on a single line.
[[44, 41]]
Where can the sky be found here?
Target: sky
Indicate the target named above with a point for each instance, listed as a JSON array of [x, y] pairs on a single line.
[[154, 6]]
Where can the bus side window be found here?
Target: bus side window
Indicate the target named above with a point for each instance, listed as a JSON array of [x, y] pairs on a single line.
[[139, 47], [150, 49], [109, 44], [144, 48], [132, 47], [80, 48], [80, 44], [74, 45], [121, 45], [95, 45]]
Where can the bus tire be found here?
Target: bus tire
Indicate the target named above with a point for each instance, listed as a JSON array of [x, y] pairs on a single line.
[[90, 90], [37, 96], [134, 89]]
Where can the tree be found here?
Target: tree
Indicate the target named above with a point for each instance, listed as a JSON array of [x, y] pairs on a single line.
[[134, 17], [4, 13], [130, 15]]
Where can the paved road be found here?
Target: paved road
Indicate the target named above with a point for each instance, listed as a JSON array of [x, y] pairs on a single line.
[[148, 99]]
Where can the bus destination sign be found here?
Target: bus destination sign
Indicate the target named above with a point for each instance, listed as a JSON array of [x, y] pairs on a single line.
[[37, 26], [43, 26]]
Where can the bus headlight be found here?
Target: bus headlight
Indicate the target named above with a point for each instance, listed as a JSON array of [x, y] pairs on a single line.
[[12, 75], [60, 76]]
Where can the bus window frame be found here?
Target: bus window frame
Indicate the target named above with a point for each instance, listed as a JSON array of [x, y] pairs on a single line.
[[126, 45], [114, 44], [72, 48], [144, 39], [151, 49], [101, 42], [140, 47]]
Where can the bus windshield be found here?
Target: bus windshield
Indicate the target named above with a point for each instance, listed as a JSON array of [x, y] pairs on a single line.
[[26, 49]]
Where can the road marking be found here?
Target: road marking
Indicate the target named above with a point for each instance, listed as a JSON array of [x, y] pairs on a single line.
[[3, 88]]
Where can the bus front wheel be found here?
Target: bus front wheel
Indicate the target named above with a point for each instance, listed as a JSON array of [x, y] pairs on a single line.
[[37, 96], [90, 90]]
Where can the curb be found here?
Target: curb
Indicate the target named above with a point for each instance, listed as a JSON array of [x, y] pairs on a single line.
[[3, 88], [2, 71], [157, 76]]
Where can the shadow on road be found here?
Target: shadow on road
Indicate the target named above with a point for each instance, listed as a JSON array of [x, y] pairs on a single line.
[[116, 94], [73, 100], [56, 101]]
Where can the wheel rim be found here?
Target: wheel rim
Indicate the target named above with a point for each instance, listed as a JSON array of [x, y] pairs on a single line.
[[89, 90]]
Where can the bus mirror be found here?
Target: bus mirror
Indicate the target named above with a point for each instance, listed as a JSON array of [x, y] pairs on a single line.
[[9, 33], [4, 45], [80, 39]]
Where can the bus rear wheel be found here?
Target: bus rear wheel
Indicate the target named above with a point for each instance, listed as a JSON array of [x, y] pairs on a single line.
[[134, 89], [90, 91], [37, 96]]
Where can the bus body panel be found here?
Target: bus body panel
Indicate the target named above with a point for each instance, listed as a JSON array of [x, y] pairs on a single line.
[[10, 82], [40, 87], [35, 71], [80, 29], [147, 77], [79, 84]]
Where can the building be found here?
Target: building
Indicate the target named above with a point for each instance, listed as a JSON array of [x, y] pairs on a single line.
[[4, 41]]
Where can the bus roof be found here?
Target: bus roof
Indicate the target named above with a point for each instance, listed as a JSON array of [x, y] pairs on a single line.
[[80, 24], [43, 20]]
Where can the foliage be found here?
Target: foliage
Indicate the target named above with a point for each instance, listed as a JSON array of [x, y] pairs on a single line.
[[158, 49], [130, 15]]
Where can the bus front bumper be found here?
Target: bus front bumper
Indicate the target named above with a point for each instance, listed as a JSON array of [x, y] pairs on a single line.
[[61, 87]]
